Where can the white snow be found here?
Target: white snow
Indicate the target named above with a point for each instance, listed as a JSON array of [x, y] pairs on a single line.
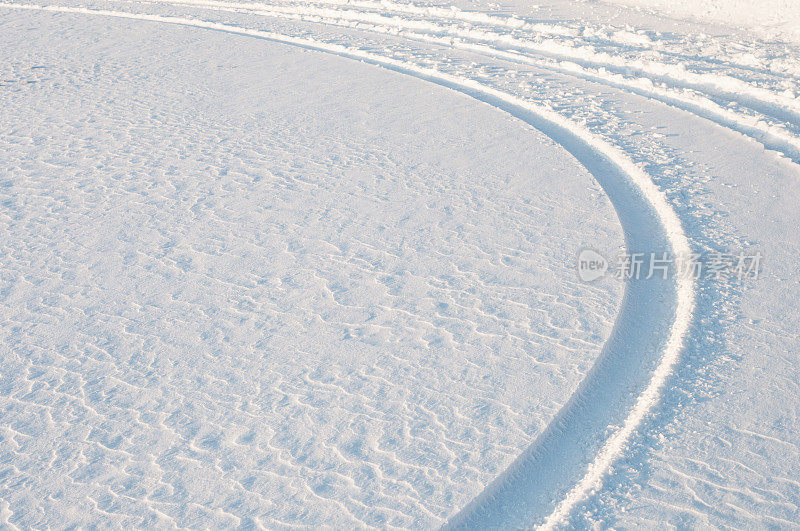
[[268, 295], [300, 264], [766, 18]]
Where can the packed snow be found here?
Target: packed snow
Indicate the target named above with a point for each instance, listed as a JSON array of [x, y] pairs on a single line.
[[290, 264]]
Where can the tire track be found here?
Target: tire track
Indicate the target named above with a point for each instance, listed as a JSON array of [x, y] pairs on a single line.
[[569, 460]]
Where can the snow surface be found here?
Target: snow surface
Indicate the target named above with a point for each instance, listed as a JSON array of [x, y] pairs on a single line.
[[291, 264], [770, 18], [324, 293]]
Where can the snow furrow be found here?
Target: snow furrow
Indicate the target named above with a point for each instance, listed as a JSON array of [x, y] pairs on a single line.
[[641, 206], [783, 107], [619, 39], [379, 17], [452, 13]]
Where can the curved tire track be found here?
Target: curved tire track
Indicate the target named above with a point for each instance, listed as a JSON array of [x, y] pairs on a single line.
[[570, 458], [574, 63]]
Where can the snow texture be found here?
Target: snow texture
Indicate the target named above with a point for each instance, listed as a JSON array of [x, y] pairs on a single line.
[[280, 264]]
